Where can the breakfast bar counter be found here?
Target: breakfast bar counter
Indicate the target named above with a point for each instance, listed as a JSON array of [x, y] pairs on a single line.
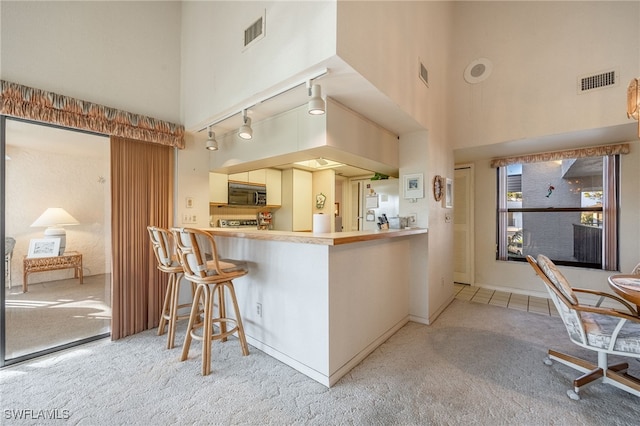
[[321, 303], [329, 238]]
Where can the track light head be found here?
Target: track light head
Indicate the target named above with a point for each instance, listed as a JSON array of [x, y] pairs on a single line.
[[212, 143], [245, 131], [316, 104]]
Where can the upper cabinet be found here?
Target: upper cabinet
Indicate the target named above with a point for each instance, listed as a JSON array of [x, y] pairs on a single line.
[[273, 180], [296, 213], [239, 177], [218, 188]]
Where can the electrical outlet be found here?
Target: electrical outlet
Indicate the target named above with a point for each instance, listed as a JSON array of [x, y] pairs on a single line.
[[259, 309]]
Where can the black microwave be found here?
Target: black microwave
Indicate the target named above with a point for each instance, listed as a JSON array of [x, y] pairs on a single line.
[[244, 194]]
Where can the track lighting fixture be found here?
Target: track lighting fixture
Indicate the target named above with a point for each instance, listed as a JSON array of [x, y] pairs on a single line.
[[316, 104], [245, 131], [212, 143]]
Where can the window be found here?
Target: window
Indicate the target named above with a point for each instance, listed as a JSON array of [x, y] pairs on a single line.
[[564, 208]]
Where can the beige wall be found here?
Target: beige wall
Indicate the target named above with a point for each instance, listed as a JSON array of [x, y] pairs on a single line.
[[218, 74], [530, 104], [38, 177], [124, 55], [538, 51], [385, 42]]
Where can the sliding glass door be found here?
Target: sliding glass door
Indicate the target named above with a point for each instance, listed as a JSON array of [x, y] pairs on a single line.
[[56, 226]]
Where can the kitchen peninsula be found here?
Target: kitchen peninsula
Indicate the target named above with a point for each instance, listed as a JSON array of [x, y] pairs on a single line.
[[321, 303]]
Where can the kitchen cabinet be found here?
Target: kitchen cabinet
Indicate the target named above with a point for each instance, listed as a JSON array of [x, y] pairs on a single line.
[[295, 213], [239, 177], [253, 176], [218, 188], [273, 180], [258, 176]]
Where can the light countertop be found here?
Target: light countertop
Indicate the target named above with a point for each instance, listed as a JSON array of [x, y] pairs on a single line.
[[330, 238]]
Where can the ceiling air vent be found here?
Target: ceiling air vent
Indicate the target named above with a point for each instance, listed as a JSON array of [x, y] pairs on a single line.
[[255, 31], [601, 80]]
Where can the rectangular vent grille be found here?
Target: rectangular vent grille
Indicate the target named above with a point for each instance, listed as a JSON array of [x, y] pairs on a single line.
[[254, 32], [597, 81]]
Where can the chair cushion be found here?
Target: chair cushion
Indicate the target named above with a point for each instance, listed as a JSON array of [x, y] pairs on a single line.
[[227, 266], [599, 329], [636, 270], [556, 277]]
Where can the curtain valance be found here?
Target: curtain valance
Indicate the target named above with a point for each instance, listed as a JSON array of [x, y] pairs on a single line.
[[39, 105], [594, 151]]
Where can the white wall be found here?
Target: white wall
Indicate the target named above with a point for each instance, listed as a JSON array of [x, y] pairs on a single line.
[[217, 73], [192, 182], [529, 103], [37, 179], [385, 42], [538, 50], [124, 55], [432, 281]]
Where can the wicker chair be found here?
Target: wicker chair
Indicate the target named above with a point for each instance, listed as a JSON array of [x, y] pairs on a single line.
[[164, 249], [607, 331], [213, 277]]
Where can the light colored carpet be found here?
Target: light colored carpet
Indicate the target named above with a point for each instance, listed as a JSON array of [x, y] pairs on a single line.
[[57, 312], [476, 365]]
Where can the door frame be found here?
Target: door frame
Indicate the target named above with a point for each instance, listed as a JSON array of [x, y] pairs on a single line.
[[470, 213], [3, 348]]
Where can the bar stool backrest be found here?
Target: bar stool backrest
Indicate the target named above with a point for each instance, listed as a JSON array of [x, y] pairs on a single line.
[[163, 247], [197, 253]]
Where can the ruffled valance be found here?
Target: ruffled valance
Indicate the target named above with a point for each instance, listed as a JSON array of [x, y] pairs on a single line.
[[594, 151], [39, 105]]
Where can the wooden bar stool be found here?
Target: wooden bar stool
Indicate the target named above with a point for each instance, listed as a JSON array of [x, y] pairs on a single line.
[[213, 277], [164, 249]]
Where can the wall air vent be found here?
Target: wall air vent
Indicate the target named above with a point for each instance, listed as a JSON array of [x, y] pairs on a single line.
[[587, 83], [255, 31]]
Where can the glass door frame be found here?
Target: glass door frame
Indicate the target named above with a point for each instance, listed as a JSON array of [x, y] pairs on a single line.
[[3, 319]]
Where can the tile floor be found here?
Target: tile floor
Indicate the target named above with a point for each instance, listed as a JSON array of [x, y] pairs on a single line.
[[538, 305]]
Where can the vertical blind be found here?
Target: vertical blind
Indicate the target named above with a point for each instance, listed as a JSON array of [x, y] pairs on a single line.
[[141, 195]]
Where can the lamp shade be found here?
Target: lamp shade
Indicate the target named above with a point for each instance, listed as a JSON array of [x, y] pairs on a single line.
[[55, 216]]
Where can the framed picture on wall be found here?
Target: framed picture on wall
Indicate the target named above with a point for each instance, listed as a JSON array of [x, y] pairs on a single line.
[[448, 194], [44, 247], [413, 186]]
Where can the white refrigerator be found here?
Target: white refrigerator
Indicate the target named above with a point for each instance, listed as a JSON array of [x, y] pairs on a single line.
[[377, 197]]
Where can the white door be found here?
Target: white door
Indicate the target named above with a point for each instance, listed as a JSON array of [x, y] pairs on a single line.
[[463, 225]]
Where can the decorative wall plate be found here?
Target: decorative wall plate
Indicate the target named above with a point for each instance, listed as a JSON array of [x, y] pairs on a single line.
[[437, 188]]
